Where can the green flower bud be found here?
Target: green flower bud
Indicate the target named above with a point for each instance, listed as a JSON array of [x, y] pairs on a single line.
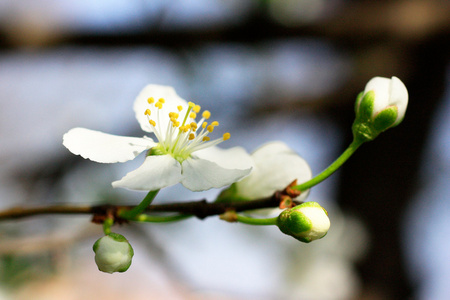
[[113, 253], [381, 106], [306, 222]]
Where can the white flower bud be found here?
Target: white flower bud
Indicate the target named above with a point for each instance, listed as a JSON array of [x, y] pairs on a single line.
[[382, 105], [113, 253], [306, 222]]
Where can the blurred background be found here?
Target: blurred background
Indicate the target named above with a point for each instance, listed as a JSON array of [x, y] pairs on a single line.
[[267, 70]]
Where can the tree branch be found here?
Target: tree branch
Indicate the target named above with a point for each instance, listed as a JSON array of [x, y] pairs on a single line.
[[200, 208]]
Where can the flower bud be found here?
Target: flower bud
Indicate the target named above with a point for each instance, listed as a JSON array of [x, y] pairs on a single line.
[[381, 106], [113, 253], [306, 222]]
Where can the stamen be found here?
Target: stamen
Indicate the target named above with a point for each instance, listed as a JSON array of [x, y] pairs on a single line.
[[182, 138], [173, 115], [206, 114]]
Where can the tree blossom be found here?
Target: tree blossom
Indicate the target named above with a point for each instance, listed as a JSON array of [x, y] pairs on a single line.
[[381, 106], [275, 167], [113, 253], [183, 151]]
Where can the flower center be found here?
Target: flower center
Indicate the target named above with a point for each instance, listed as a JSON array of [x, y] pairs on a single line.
[[181, 138]]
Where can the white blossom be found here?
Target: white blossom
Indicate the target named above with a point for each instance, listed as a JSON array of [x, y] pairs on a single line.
[[182, 153], [275, 167]]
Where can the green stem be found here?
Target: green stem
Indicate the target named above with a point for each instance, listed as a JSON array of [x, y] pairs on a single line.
[[254, 221], [160, 219], [107, 225], [331, 169], [133, 213]]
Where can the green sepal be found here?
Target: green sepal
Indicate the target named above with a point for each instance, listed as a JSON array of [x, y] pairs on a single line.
[[358, 99], [230, 195], [365, 110], [385, 119], [293, 223]]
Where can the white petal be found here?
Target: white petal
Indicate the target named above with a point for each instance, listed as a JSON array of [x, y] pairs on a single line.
[[233, 158], [172, 100], [398, 96], [276, 166], [215, 168], [380, 86], [104, 148], [156, 172]]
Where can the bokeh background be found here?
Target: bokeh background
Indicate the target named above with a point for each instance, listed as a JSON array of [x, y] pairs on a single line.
[[267, 70]]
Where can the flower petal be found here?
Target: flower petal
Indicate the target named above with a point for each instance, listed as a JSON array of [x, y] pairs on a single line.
[[214, 168], [398, 96], [156, 172], [172, 100], [380, 86], [233, 158], [104, 148], [276, 166]]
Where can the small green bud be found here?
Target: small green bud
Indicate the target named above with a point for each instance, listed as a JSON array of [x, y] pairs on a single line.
[[381, 106], [113, 253], [305, 222]]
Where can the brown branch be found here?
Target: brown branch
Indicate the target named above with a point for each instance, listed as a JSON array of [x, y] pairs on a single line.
[[200, 209]]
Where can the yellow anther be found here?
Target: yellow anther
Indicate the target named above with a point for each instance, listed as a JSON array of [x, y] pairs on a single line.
[[215, 123], [194, 125], [206, 138], [226, 136], [176, 124], [180, 108], [161, 100], [150, 100], [197, 108], [184, 128], [173, 115], [193, 115], [148, 112], [191, 104], [153, 123], [210, 128], [173, 120], [158, 105], [206, 114], [191, 136], [204, 124]]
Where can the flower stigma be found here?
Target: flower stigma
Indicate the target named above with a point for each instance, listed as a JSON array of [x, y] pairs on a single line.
[[181, 138]]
